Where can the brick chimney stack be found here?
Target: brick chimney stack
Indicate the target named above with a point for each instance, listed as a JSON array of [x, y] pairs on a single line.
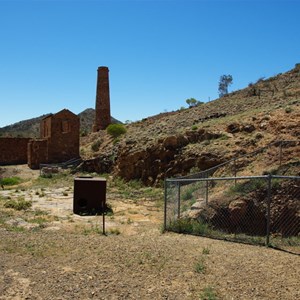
[[102, 118]]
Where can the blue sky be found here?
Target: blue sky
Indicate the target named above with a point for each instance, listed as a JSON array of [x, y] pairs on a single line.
[[159, 53]]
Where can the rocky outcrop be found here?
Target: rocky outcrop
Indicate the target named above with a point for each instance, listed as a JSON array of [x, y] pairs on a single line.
[[236, 127], [237, 210], [101, 164], [235, 216], [248, 213], [164, 158]]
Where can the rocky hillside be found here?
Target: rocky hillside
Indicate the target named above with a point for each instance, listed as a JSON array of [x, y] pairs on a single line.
[[31, 127], [26, 128], [189, 140]]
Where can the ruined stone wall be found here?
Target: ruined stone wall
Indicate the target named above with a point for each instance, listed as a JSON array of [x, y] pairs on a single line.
[[59, 142], [37, 153], [45, 127], [13, 150], [63, 142], [102, 118]]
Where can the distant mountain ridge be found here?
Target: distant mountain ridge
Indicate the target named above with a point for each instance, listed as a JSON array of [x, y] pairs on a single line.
[[31, 127]]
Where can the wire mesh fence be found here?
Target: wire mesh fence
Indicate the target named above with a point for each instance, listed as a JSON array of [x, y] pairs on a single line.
[[262, 210]]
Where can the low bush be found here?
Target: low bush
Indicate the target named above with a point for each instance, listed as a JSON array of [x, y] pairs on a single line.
[[115, 130], [96, 145], [208, 294], [187, 195], [288, 109], [19, 204], [189, 226], [10, 181], [200, 266], [248, 186]]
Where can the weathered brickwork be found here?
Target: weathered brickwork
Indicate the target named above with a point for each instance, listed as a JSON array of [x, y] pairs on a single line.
[[37, 152], [13, 150], [62, 134], [59, 142], [103, 118]]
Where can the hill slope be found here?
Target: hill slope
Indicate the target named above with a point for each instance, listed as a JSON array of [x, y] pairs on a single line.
[[31, 127], [176, 143]]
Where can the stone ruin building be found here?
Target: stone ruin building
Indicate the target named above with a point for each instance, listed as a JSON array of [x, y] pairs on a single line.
[[59, 133], [102, 118], [59, 139], [59, 142]]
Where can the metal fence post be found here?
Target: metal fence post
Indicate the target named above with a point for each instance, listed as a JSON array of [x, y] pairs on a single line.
[[103, 208], [179, 204], [269, 178], [206, 191], [280, 153], [165, 205], [234, 170]]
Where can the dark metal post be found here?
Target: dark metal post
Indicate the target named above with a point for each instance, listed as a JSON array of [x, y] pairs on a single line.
[[103, 223], [269, 178], [103, 218], [206, 191], [280, 153], [165, 205], [179, 204], [234, 169]]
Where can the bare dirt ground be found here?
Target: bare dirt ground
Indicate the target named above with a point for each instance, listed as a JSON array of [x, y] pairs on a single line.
[[69, 258]]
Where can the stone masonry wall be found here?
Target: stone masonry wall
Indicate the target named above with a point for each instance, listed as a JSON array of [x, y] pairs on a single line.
[[59, 142], [13, 150], [102, 118], [37, 153], [63, 142]]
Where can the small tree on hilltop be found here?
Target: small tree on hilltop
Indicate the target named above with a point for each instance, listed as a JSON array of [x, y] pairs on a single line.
[[225, 81], [192, 102]]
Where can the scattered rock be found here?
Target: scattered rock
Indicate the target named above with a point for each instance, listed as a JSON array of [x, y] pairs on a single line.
[[233, 128]]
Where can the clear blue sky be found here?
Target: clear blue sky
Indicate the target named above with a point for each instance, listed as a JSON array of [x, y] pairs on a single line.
[[159, 53]]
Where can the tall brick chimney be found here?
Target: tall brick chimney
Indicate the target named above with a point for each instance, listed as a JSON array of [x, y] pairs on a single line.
[[102, 118]]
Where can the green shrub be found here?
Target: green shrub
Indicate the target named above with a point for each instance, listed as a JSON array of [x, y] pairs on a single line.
[[288, 109], [19, 204], [116, 130], [200, 267], [96, 145], [273, 171], [189, 226], [223, 137], [208, 294], [205, 250], [40, 221], [248, 186], [10, 181], [187, 195], [83, 132], [115, 231]]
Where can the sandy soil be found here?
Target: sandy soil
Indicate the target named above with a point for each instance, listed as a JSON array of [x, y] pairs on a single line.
[[69, 258]]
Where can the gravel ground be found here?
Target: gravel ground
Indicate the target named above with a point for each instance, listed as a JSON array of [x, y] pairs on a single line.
[[70, 259], [145, 265]]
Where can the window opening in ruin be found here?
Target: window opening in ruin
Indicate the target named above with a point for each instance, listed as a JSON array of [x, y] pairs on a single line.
[[66, 126]]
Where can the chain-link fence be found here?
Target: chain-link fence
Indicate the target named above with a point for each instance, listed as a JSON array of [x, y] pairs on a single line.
[[261, 210]]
